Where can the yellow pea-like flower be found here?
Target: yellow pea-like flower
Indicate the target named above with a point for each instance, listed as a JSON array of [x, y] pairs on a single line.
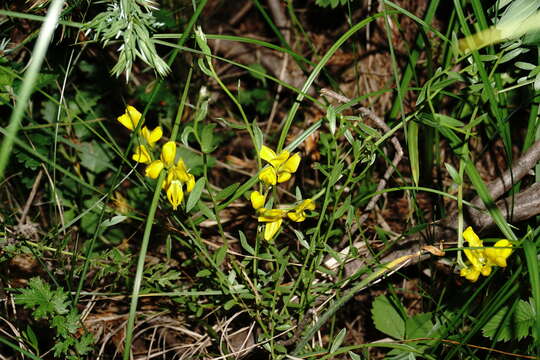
[[273, 219], [190, 184], [168, 153], [470, 274], [257, 200], [283, 165], [130, 118], [299, 212], [483, 259], [500, 252], [154, 168], [271, 229], [141, 155], [175, 193], [152, 136], [268, 176]]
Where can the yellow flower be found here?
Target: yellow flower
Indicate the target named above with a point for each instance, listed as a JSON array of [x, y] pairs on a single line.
[[141, 155], [154, 169], [469, 274], [483, 259], [168, 153], [273, 219], [152, 136], [498, 254], [257, 200], [130, 118], [299, 212], [175, 193], [282, 166]]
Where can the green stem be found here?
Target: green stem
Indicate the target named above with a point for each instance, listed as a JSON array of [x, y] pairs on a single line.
[[140, 266]]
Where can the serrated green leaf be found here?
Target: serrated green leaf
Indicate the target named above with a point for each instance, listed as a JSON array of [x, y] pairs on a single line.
[[510, 326], [418, 326], [386, 318], [45, 302]]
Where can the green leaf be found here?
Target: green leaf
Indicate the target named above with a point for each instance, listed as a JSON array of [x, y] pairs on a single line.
[[412, 143], [510, 326], [207, 138], [40, 297], [228, 191], [418, 326], [195, 194], [84, 345], [203, 273], [245, 245], [338, 340], [331, 116], [257, 136], [387, 319], [219, 256], [454, 174], [94, 157]]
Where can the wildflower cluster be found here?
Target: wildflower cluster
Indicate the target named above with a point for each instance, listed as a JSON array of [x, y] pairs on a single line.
[[177, 173], [280, 169], [482, 259]]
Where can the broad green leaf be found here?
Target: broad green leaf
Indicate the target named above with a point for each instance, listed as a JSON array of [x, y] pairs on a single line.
[[207, 138], [195, 194], [418, 326], [514, 326], [386, 318]]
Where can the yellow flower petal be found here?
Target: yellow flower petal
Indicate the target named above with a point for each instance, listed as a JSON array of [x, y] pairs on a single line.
[[498, 254], [141, 155], [470, 274], [279, 160], [267, 154], [168, 153], [190, 184], [473, 239], [154, 168], [257, 200], [308, 204], [271, 215], [291, 165], [268, 176], [283, 176], [130, 118], [297, 216], [175, 193], [486, 270], [168, 180], [152, 136], [271, 229]]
